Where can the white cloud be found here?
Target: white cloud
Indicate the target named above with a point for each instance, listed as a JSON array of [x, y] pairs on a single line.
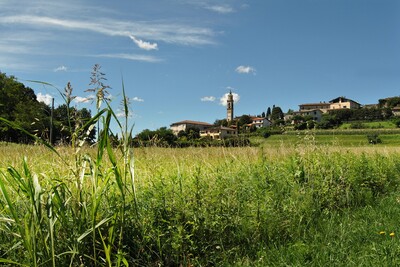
[[137, 99], [208, 99], [131, 114], [144, 45], [45, 98], [245, 69], [224, 98], [169, 32], [222, 9], [133, 57], [60, 68], [80, 99]]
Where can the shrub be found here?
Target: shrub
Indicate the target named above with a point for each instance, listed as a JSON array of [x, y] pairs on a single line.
[[374, 139], [357, 125]]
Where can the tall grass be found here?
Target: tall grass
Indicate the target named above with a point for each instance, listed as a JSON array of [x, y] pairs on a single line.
[[201, 206]]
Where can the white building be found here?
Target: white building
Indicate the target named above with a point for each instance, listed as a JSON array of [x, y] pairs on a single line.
[[183, 125], [259, 122]]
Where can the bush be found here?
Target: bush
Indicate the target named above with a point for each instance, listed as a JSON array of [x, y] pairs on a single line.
[[397, 122], [374, 139], [357, 125]]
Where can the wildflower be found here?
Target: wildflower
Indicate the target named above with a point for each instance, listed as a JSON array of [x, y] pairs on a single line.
[[382, 233], [391, 234]]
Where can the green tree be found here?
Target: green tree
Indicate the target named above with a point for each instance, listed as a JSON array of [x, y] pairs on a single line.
[[18, 104], [244, 120], [277, 113], [160, 137], [65, 126], [268, 113], [222, 122]]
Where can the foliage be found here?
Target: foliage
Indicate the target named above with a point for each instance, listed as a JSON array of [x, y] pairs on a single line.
[[276, 114], [268, 131], [222, 122], [18, 104], [244, 120], [374, 139], [268, 115], [397, 122], [189, 134], [300, 126], [160, 137], [199, 206], [389, 102], [370, 114]]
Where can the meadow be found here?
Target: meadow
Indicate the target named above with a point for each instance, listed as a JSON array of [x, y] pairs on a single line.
[[282, 203]]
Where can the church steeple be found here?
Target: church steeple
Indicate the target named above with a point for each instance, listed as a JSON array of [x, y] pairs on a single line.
[[229, 107]]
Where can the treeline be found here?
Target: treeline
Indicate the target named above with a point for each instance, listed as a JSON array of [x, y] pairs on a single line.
[[19, 105]]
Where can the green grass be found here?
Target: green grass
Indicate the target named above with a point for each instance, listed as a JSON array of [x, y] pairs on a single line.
[[329, 139], [271, 206], [372, 125]]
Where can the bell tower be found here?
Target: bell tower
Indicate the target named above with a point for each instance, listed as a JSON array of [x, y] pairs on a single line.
[[229, 107]]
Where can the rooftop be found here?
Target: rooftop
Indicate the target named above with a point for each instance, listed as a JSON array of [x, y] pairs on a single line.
[[191, 122]]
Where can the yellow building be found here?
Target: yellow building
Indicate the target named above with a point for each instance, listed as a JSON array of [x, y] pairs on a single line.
[[219, 132], [343, 103]]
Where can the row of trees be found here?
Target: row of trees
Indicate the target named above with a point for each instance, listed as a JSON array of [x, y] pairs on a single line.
[[19, 105]]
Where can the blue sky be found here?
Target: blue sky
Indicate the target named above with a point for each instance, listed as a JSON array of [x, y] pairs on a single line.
[[178, 58]]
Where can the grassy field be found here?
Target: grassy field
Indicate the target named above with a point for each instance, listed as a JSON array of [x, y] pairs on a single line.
[[289, 202], [336, 139], [373, 125]]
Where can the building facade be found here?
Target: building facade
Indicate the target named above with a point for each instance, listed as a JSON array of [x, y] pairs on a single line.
[[316, 114], [343, 103], [219, 132], [324, 107], [184, 125], [259, 122]]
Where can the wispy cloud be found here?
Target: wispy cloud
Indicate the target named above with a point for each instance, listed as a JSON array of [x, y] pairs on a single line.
[[131, 114], [133, 57], [137, 99], [208, 99], [45, 98], [176, 33], [222, 9], [144, 45], [41, 28], [80, 99], [245, 69], [224, 98], [60, 68]]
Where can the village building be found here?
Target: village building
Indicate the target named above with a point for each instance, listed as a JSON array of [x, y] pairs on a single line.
[[396, 111], [187, 124], [324, 107], [259, 122], [315, 114], [219, 132], [337, 103], [207, 129], [343, 103]]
